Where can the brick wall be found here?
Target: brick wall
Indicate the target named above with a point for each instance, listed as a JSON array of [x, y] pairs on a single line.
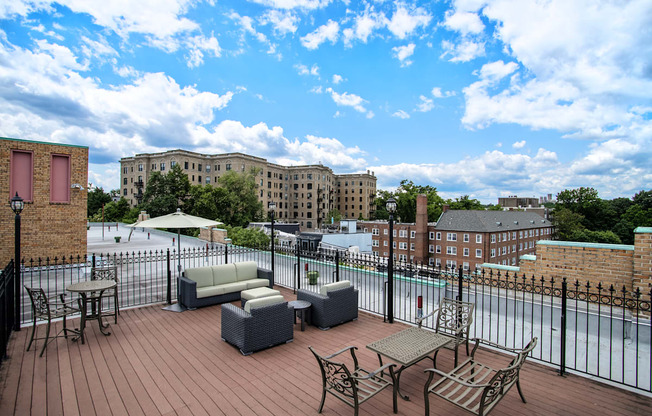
[[215, 235], [47, 229], [642, 278]]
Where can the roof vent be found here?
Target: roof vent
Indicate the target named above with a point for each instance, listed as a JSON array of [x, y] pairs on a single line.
[[531, 221], [543, 221], [498, 223], [516, 222]]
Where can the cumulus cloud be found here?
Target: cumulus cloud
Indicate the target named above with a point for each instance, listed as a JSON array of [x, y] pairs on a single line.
[[463, 51], [304, 70], [327, 32], [350, 100], [519, 145], [337, 79], [363, 27], [405, 21], [463, 22], [425, 104], [403, 52], [401, 114], [438, 93], [283, 22], [294, 4]]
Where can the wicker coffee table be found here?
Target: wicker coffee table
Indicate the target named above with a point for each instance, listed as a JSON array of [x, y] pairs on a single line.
[[407, 348]]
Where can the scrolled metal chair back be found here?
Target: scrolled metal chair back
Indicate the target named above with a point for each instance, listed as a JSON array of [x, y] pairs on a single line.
[[336, 376], [454, 315], [40, 304], [105, 273]]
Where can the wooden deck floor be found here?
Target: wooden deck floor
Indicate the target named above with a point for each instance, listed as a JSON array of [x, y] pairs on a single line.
[[157, 362]]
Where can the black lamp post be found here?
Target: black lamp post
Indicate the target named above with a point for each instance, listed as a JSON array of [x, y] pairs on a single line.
[[391, 209], [272, 207], [17, 206]]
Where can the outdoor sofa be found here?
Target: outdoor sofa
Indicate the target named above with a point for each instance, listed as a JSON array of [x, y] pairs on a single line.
[[203, 286], [335, 304], [262, 323]]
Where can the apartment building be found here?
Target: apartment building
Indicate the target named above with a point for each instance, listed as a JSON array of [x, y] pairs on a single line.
[[462, 238], [51, 178], [303, 194]]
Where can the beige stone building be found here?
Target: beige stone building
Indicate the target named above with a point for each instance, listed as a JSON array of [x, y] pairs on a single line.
[[52, 180], [303, 194]]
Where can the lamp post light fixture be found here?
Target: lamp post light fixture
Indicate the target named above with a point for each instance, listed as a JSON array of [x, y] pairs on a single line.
[[17, 206], [391, 209], [272, 207]]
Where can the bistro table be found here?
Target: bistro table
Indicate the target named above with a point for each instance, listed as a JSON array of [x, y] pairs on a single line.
[[407, 348], [301, 307], [91, 291]]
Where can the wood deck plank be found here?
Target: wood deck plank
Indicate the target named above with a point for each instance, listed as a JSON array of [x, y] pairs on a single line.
[[163, 363]]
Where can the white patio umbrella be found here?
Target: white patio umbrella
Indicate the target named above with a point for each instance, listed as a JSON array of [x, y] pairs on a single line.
[[177, 220]]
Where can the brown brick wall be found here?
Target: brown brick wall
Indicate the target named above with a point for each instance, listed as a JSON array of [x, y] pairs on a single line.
[[47, 229], [215, 235], [642, 278]]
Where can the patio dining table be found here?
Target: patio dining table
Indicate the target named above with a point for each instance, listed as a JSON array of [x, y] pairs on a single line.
[[407, 348], [91, 291]]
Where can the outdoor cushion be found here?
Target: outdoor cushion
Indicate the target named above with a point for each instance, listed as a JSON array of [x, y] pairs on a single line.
[[260, 292], [224, 273], [334, 286], [202, 275], [260, 302], [246, 270], [254, 283]]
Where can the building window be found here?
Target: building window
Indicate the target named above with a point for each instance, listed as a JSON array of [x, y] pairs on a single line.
[[374, 243], [451, 264], [125, 192], [308, 224], [162, 165], [374, 231], [478, 252], [438, 236], [493, 238], [478, 238], [228, 167], [60, 178], [493, 252], [385, 243], [243, 169], [451, 250], [411, 246], [402, 233], [185, 165], [504, 250], [438, 249], [140, 168], [536, 232], [124, 181], [465, 266], [22, 175], [199, 178], [402, 245], [208, 180], [451, 236], [438, 262], [402, 257], [466, 252], [208, 168], [413, 234], [431, 235], [431, 248], [125, 170], [466, 238]]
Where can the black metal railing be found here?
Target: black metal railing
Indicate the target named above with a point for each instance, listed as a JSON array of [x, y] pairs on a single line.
[[7, 310], [600, 331]]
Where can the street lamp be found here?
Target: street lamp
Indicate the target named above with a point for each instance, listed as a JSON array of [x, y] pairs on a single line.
[[391, 209], [17, 206], [272, 207]]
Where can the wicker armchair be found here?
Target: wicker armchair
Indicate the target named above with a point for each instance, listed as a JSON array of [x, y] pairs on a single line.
[[353, 387], [49, 308], [474, 386], [108, 273], [337, 304], [454, 319], [259, 325]]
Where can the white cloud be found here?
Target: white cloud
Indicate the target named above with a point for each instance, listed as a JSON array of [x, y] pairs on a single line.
[[519, 145], [404, 52], [364, 26], [247, 25], [304, 70], [282, 22], [327, 32], [463, 22], [197, 45], [337, 79], [405, 21], [401, 114], [425, 104], [437, 93], [350, 100], [464, 51], [294, 4]]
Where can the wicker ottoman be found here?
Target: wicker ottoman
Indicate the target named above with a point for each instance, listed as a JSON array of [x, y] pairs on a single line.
[[259, 292]]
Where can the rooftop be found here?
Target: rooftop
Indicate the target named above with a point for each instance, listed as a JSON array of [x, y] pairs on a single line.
[[159, 362]]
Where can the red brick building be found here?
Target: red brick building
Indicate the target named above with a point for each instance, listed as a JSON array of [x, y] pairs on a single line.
[[462, 238], [52, 179]]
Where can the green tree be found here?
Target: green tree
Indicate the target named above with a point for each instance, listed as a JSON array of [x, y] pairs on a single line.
[[406, 201], [566, 222], [334, 214], [116, 211], [239, 204], [607, 237], [465, 202], [492, 207], [96, 198], [247, 237], [165, 193]]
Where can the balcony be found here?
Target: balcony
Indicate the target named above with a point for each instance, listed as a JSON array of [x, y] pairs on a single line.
[[158, 363]]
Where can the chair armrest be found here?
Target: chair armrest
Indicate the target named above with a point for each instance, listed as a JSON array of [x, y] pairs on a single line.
[[266, 274], [312, 297], [340, 352], [455, 379], [494, 345], [235, 312], [376, 371], [423, 318]]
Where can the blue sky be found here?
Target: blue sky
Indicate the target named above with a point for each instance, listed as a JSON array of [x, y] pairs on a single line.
[[475, 97]]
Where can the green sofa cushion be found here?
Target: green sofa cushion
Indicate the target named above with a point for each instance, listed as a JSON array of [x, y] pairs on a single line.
[[260, 302], [202, 275], [224, 273], [334, 286], [246, 270]]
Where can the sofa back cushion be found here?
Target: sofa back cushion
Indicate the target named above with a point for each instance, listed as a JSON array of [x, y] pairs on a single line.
[[246, 270], [202, 275], [260, 302], [224, 273], [334, 286]]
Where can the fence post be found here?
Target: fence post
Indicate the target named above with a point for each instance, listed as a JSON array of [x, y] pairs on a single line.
[[169, 294], [562, 364], [337, 265], [93, 261], [226, 254], [460, 282], [297, 285]]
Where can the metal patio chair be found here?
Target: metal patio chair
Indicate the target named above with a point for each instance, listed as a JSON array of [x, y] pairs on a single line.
[[108, 273], [453, 319], [49, 308], [353, 388], [474, 386]]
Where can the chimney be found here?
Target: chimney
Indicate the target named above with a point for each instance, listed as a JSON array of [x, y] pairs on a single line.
[[445, 208]]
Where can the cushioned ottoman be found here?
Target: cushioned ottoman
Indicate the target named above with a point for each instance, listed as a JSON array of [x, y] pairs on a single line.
[[257, 293]]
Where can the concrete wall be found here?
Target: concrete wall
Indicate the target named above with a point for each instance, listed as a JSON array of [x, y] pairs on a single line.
[[47, 229]]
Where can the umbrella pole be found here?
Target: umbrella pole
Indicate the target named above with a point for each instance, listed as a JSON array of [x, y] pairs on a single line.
[[179, 251]]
